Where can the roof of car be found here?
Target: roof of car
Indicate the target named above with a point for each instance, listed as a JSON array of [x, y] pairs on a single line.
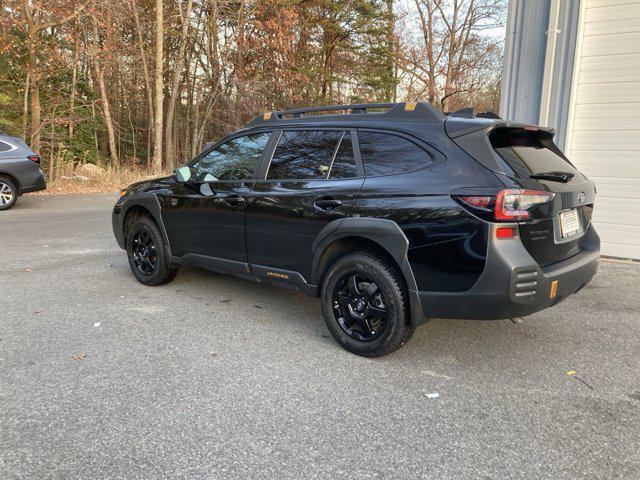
[[356, 113]]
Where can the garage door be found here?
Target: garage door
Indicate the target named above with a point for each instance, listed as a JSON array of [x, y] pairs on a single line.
[[604, 131]]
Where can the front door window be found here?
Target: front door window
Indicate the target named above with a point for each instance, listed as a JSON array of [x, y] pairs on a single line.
[[233, 160]]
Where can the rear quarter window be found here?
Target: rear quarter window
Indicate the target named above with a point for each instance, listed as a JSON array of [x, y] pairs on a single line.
[[5, 147], [386, 154]]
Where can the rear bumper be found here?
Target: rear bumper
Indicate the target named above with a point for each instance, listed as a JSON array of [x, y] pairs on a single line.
[[34, 184], [513, 284]]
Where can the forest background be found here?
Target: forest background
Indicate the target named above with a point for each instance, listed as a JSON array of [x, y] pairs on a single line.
[[109, 91]]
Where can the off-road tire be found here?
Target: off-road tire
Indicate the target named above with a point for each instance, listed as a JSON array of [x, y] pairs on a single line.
[[397, 330], [162, 271]]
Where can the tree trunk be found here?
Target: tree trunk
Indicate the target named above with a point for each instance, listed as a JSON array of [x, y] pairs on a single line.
[[36, 110], [157, 144], [74, 83], [25, 105], [391, 83], [175, 82], [147, 80], [106, 109]]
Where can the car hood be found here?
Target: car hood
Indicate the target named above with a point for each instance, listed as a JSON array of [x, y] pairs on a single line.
[[150, 185]]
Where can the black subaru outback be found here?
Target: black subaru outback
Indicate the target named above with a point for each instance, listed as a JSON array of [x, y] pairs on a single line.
[[390, 213]]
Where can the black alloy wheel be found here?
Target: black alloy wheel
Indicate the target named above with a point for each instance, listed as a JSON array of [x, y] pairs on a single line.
[[148, 255], [359, 307], [365, 304], [144, 253]]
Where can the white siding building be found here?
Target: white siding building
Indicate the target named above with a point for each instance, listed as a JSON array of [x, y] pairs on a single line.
[[575, 65]]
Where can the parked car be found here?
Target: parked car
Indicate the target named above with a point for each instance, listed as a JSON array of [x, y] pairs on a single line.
[[391, 217], [19, 170]]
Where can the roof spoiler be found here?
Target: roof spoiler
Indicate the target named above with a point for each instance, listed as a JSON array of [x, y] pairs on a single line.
[[470, 112], [399, 111], [457, 127]]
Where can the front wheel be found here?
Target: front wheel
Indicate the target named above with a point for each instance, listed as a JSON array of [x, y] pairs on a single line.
[[8, 193], [147, 253], [365, 306]]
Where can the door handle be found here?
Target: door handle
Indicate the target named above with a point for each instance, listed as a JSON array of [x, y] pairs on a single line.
[[327, 203], [234, 200]]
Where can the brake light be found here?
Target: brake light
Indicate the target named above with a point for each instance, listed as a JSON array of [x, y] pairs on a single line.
[[34, 158], [514, 204]]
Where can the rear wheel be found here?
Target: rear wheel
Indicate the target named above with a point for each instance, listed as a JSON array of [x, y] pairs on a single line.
[[147, 253], [8, 193], [364, 303]]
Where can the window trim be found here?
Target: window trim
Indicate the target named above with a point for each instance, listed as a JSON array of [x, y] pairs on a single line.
[[11, 146], [227, 139], [262, 176], [335, 153], [435, 154]]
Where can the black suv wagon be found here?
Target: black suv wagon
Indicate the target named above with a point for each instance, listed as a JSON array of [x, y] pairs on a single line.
[[392, 214]]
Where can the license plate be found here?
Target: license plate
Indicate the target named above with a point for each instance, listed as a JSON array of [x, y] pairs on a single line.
[[569, 222]]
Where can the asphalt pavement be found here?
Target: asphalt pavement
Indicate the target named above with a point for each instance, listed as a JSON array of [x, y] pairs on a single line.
[[216, 377]]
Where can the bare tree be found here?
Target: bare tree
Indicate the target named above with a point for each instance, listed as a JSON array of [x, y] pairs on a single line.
[[159, 102], [453, 49], [177, 72], [105, 106], [32, 12]]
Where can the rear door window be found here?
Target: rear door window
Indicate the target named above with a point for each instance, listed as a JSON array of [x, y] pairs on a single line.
[[527, 153], [385, 154], [304, 154]]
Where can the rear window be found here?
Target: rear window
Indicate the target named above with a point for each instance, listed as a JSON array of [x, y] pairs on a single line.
[[527, 153], [385, 154], [303, 154]]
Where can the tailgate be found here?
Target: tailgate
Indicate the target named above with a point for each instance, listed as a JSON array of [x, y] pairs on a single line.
[[526, 157]]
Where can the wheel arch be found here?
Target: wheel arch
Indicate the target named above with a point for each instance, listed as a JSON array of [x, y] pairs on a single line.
[[13, 178], [354, 234], [143, 204]]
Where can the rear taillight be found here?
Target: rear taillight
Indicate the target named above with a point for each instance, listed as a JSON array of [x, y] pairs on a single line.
[[514, 205], [34, 158], [477, 201], [511, 205]]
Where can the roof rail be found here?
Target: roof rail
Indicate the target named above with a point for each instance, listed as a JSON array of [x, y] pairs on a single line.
[[358, 108], [399, 111]]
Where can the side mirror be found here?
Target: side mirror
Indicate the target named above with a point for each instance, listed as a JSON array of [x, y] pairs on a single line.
[[182, 174]]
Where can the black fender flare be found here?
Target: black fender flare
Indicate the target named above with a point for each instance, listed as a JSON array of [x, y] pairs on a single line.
[[149, 201], [383, 232]]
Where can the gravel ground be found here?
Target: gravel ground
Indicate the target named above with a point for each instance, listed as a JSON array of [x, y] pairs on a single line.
[[216, 377]]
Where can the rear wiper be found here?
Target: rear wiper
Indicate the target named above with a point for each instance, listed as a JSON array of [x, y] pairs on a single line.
[[562, 177]]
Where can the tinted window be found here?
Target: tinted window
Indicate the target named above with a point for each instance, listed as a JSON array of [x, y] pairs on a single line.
[[529, 152], [4, 147], [303, 154], [383, 154], [344, 165], [233, 160]]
